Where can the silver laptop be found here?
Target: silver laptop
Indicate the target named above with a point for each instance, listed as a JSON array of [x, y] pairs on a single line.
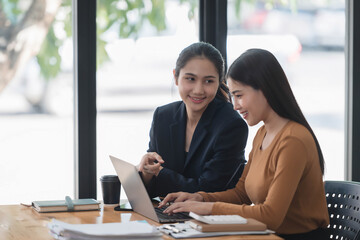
[[138, 196]]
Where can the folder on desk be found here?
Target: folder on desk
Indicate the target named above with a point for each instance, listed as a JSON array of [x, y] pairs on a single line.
[[66, 205]]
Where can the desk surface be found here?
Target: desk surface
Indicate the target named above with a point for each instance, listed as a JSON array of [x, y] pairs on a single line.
[[23, 223]]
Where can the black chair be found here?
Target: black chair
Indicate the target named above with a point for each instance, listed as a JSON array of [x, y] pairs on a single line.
[[343, 199]]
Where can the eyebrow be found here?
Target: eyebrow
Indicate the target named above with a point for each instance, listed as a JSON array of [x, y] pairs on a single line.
[[191, 74], [236, 91]]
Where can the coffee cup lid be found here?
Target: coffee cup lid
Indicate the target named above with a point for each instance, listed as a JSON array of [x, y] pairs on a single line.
[[109, 178]]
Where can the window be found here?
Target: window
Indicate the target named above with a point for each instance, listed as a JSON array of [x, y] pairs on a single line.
[[36, 101]]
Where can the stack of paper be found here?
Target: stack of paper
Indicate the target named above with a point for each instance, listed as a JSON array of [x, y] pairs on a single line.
[[109, 231]]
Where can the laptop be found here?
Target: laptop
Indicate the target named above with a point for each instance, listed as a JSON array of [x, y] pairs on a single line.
[[138, 196]]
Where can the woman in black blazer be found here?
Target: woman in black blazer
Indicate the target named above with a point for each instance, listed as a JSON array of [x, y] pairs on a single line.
[[197, 143]]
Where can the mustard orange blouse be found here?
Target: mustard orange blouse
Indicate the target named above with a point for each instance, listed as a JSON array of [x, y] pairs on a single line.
[[281, 186]]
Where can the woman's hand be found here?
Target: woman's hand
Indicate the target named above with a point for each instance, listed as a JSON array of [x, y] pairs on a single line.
[[201, 208], [181, 197], [151, 164]]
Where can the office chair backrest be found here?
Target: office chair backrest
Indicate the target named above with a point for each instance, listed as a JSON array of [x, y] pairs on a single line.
[[343, 199]]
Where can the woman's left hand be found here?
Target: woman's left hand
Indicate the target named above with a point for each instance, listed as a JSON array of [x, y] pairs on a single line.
[[201, 208]]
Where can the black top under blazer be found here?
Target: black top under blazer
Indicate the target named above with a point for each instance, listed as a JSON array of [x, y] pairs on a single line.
[[215, 155]]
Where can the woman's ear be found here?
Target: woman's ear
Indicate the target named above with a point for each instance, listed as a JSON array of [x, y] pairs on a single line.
[[176, 80]]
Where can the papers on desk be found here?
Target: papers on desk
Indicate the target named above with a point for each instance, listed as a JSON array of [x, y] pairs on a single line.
[[184, 230], [109, 231]]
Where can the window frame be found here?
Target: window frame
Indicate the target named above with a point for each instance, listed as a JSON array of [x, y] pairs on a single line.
[[84, 35], [352, 101]]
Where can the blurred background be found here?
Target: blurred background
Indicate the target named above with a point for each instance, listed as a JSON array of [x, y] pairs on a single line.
[[137, 45]]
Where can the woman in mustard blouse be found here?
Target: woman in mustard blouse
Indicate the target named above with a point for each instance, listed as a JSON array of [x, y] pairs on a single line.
[[282, 183]]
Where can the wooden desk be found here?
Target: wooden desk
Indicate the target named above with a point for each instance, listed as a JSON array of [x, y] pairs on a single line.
[[23, 223]]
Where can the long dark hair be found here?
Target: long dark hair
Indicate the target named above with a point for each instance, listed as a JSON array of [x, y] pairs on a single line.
[[260, 69], [202, 49]]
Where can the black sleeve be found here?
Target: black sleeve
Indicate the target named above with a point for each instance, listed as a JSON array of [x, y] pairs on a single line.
[[218, 171]]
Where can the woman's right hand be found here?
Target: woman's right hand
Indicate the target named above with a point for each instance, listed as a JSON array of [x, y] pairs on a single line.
[[150, 165], [181, 197]]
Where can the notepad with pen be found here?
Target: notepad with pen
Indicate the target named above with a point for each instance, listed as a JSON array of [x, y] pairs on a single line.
[[224, 223], [66, 205], [251, 225]]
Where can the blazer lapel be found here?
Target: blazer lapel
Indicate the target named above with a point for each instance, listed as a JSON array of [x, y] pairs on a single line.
[[201, 130], [177, 136]]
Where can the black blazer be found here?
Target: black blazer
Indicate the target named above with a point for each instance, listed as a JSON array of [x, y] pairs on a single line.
[[215, 154]]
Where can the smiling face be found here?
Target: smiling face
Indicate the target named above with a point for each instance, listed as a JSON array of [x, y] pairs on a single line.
[[251, 103], [198, 82]]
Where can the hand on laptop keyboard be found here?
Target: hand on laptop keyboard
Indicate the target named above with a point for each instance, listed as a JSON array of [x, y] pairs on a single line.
[[172, 217]]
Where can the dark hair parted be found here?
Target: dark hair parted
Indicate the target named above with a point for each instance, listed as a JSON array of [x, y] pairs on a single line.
[[260, 70], [208, 51]]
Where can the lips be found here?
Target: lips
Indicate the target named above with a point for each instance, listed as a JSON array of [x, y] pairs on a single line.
[[197, 100], [244, 114]]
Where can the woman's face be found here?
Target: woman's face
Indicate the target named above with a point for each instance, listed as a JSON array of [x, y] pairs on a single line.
[[251, 103], [198, 82]]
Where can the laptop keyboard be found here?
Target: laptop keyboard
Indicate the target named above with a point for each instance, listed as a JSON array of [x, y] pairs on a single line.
[[175, 217]]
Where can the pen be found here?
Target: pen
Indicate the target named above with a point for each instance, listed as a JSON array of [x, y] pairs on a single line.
[[173, 229]]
